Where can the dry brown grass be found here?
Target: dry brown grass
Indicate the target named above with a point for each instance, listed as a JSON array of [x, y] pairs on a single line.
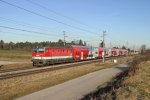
[[16, 87], [14, 55], [16, 66], [137, 86]]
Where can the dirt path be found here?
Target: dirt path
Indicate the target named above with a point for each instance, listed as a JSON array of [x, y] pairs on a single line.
[[76, 88], [10, 62]]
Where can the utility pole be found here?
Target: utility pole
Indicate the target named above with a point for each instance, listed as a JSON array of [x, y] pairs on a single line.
[[103, 53], [64, 33], [104, 34], [127, 48]]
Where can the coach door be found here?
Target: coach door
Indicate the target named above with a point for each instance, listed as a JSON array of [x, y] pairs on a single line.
[[81, 55]]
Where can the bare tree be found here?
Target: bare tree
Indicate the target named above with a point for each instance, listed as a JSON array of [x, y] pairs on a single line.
[[1, 44], [143, 49], [123, 47]]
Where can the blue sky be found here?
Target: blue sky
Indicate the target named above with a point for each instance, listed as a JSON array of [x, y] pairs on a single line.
[[126, 21]]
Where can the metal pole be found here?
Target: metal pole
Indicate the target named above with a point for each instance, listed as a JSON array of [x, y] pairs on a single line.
[[103, 53], [64, 33]]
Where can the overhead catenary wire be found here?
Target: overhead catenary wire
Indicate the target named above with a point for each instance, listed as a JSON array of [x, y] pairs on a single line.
[[27, 35], [57, 13], [35, 32], [31, 26], [40, 29], [18, 29], [43, 16], [24, 24]]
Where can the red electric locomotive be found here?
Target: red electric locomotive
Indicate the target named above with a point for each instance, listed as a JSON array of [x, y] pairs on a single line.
[[51, 55]]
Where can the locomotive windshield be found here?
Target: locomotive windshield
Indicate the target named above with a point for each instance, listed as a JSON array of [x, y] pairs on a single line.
[[38, 50]]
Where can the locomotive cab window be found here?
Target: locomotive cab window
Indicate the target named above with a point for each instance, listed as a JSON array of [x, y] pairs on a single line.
[[41, 50], [34, 51], [38, 50]]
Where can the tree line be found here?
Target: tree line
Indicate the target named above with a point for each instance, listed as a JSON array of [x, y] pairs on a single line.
[[28, 46]]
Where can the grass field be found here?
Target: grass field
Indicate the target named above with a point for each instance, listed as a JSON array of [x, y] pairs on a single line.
[[14, 55]]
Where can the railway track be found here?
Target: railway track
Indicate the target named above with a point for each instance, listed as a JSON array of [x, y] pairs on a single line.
[[22, 72]]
